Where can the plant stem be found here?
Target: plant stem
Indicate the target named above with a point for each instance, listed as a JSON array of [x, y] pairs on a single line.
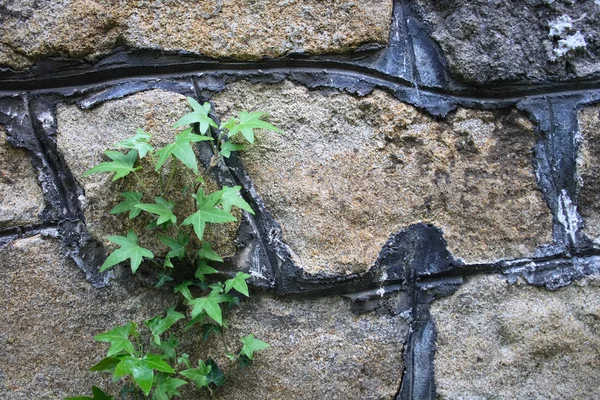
[[139, 180], [171, 175]]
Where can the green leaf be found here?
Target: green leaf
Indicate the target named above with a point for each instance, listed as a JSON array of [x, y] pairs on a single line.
[[204, 269], [198, 375], [118, 338], [228, 147], [209, 304], [168, 347], [163, 278], [182, 149], [106, 364], [158, 325], [96, 392], [162, 208], [249, 122], [238, 283], [130, 249], [244, 361], [251, 345], [216, 375], [208, 330], [184, 289], [165, 386], [131, 200], [208, 253], [177, 246], [184, 359], [207, 212], [231, 197], [122, 164], [199, 115], [139, 142], [142, 370], [230, 123]]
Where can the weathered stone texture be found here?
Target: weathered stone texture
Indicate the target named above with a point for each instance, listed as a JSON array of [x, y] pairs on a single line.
[[320, 350], [588, 166], [504, 40], [347, 172], [500, 341], [229, 28], [21, 198], [50, 316], [82, 137]]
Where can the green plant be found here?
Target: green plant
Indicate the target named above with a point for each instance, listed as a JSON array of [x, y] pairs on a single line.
[[149, 363]]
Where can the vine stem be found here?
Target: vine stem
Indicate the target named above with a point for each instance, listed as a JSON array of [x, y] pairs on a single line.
[[171, 175], [140, 181]]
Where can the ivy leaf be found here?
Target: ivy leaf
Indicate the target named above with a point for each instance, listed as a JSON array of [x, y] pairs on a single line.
[[158, 325], [208, 253], [208, 330], [96, 392], [198, 375], [207, 212], [228, 147], [129, 249], [106, 364], [216, 375], [139, 142], [118, 338], [249, 122], [210, 305], [177, 246], [199, 115], [184, 289], [244, 361], [182, 149], [238, 283], [142, 369], [204, 269], [131, 200], [185, 360], [162, 208], [231, 197], [168, 347], [162, 279], [251, 345], [165, 387], [121, 163]]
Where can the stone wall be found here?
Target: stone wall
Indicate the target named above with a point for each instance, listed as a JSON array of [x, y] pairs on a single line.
[[427, 225]]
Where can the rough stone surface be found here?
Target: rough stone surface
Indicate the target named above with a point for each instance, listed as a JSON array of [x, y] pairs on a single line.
[[497, 341], [82, 137], [50, 316], [588, 166], [320, 350], [347, 172], [21, 199], [486, 41], [228, 28]]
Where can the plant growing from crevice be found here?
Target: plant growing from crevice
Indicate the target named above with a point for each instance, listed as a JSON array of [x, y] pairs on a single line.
[[146, 358]]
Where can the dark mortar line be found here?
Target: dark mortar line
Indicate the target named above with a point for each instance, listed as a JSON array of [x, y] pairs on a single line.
[[45, 153], [17, 232], [166, 71], [408, 42]]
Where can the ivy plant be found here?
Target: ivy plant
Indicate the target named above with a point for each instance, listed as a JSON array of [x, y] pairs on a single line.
[[145, 358]]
